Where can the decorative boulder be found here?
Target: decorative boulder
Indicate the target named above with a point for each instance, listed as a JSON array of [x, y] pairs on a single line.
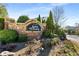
[[7, 53]]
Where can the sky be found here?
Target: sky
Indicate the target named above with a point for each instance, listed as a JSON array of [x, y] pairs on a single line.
[[32, 10]]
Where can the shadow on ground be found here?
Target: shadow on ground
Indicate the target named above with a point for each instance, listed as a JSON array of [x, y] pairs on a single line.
[[13, 47]]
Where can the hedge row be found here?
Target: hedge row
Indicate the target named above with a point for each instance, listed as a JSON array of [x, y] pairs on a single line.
[[10, 36]]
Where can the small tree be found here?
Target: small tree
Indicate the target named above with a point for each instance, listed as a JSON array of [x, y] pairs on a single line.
[[43, 21], [50, 23], [22, 19], [49, 26], [39, 18]]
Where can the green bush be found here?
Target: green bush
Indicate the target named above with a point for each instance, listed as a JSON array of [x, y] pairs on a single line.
[[22, 19], [55, 41], [22, 38], [1, 23], [70, 31], [47, 34], [61, 32], [76, 32], [62, 35], [8, 36]]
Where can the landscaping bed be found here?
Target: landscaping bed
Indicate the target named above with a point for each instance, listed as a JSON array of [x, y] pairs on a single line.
[[30, 50], [65, 48]]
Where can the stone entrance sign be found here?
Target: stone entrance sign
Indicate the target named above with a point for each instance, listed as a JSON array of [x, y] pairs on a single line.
[[32, 28]]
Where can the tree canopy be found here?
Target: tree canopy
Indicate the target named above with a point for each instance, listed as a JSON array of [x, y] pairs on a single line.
[[50, 22], [22, 19], [3, 11], [49, 26]]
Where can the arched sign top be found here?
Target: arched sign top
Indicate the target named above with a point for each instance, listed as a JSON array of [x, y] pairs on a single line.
[[33, 27]]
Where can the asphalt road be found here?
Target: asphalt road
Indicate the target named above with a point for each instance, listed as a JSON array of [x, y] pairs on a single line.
[[73, 37]]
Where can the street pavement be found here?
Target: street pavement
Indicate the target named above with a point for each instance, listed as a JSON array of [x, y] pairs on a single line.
[[73, 37]]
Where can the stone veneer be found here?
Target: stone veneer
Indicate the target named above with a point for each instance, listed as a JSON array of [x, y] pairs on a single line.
[[22, 28]]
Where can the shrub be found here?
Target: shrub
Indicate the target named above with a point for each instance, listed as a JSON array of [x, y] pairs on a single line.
[[8, 36], [62, 35], [1, 23], [55, 41], [47, 34], [76, 32], [22, 38], [68, 48]]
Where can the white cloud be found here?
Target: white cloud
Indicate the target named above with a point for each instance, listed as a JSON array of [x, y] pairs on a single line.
[[58, 4], [36, 11], [31, 12]]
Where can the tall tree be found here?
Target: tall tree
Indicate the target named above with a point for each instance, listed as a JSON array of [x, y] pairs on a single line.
[[3, 11], [50, 23], [22, 19], [39, 18]]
